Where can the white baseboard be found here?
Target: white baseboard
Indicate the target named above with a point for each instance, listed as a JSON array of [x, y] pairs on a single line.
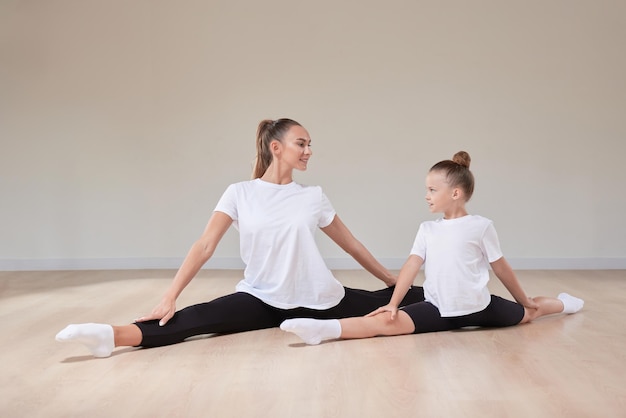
[[234, 263], [590, 263], [113, 264], [587, 263]]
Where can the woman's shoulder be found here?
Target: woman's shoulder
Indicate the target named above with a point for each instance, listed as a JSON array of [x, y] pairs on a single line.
[[308, 186], [258, 184], [244, 183], [238, 185]]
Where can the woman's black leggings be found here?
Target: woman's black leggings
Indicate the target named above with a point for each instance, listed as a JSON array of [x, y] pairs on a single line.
[[240, 312]]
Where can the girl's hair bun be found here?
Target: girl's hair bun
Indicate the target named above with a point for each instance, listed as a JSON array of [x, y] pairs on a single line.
[[462, 158]]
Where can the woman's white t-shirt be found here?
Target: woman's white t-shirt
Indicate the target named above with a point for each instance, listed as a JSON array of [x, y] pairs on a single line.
[[277, 225], [456, 254]]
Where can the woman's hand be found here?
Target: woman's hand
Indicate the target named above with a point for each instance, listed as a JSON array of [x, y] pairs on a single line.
[[391, 280], [199, 254], [387, 308], [164, 311]]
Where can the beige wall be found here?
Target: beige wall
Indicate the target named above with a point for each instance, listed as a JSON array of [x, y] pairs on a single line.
[[121, 122]]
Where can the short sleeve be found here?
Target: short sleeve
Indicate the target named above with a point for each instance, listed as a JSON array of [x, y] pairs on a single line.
[[490, 244], [228, 203], [327, 212], [419, 245]]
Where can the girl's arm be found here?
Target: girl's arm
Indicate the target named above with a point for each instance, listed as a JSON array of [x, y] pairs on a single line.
[[505, 273], [197, 256], [339, 232], [407, 276]]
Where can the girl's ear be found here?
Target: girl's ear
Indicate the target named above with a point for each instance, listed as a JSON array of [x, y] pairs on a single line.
[[456, 193]]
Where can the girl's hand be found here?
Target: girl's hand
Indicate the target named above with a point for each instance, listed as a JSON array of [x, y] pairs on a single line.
[[530, 303], [164, 311], [387, 308]]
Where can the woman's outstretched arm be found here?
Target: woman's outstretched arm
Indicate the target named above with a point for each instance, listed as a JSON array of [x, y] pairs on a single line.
[[339, 232], [200, 252]]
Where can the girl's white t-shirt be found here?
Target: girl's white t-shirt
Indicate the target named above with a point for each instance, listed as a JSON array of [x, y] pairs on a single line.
[[277, 224], [456, 254]]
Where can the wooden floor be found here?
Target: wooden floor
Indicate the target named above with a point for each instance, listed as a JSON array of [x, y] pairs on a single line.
[[559, 366]]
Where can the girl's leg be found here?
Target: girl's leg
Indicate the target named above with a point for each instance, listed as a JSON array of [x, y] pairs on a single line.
[[314, 331], [564, 303], [374, 326], [505, 313], [414, 318]]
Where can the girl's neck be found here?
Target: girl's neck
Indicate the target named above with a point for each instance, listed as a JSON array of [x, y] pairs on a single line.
[[454, 213]]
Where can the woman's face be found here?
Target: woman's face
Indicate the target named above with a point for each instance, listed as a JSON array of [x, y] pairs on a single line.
[[295, 148]]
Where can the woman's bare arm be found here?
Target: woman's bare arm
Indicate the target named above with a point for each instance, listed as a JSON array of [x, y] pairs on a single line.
[[339, 232], [200, 252]]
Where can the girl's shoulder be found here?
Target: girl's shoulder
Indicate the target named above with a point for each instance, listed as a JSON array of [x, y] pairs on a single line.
[[464, 220], [481, 219]]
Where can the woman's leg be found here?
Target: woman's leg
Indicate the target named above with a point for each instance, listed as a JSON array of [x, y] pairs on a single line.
[[358, 302], [98, 338], [237, 312], [127, 335], [233, 313]]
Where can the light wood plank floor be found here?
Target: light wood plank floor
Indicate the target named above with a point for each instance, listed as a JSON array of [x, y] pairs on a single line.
[[569, 366]]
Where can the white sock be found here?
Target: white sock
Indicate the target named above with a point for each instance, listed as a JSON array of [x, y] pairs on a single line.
[[313, 331], [98, 338], [571, 304]]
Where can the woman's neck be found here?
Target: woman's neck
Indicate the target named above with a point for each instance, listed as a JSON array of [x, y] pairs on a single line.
[[274, 175]]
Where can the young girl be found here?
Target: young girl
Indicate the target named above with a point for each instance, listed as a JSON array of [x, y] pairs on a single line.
[[456, 252], [285, 275]]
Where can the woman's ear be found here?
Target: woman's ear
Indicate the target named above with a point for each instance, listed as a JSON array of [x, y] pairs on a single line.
[[275, 147]]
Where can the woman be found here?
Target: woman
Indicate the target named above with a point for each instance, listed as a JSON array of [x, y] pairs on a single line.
[[285, 275]]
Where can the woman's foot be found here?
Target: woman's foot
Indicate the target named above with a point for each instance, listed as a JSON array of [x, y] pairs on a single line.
[[98, 338]]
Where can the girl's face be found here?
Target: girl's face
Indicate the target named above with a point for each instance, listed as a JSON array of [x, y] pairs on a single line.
[[295, 148], [441, 198]]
